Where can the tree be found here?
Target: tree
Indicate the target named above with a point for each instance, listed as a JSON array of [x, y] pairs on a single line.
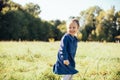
[[88, 21], [33, 9], [3, 4]]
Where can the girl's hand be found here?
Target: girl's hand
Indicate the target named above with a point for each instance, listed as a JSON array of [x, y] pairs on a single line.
[[66, 62]]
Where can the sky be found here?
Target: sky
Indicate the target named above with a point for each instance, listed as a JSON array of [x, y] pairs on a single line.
[[63, 9]]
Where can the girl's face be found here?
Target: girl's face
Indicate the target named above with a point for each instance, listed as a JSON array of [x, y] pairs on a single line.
[[72, 28]]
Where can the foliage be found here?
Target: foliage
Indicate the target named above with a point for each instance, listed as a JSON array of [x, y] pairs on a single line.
[[22, 23], [103, 23], [19, 22], [33, 9]]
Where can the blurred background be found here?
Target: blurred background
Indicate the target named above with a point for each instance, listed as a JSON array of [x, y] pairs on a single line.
[[30, 33], [42, 20]]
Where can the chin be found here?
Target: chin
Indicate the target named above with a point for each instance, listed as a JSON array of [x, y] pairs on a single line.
[[72, 34]]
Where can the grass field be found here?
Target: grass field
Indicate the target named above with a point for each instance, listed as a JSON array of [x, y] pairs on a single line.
[[34, 61]]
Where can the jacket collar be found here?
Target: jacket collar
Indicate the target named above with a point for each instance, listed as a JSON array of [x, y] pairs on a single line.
[[72, 37]]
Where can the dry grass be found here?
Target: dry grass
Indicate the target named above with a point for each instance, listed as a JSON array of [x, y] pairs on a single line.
[[34, 61]]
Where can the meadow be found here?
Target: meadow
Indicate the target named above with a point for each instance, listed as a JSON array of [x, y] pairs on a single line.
[[35, 60]]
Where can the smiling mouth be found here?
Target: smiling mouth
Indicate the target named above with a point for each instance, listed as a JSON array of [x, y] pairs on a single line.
[[72, 32]]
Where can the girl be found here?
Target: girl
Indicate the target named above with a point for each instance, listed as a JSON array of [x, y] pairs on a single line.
[[65, 64]]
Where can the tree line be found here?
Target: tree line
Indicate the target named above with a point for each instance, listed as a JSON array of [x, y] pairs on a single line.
[[24, 23], [100, 25]]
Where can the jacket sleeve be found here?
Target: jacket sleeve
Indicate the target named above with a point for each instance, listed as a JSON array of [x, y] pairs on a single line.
[[63, 48]]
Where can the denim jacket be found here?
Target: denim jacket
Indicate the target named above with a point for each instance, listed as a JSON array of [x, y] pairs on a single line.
[[67, 51]]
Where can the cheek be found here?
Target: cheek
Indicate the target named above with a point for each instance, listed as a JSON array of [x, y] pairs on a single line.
[[68, 30]]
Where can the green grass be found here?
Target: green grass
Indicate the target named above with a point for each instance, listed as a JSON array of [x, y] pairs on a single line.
[[34, 61]]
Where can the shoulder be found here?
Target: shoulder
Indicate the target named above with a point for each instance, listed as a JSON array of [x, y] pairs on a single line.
[[65, 39], [65, 36], [70, 37]]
